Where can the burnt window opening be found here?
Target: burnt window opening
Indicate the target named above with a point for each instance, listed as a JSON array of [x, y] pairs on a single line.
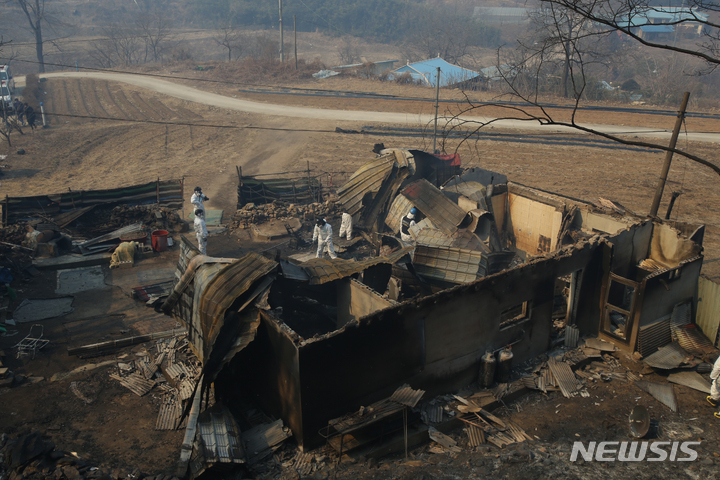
[[619, 307], [515, 314], [543, 244]]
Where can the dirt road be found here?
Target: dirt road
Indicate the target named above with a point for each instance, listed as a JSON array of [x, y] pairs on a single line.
[[191, 94]]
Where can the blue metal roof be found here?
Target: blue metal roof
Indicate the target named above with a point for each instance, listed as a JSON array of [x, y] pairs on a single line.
[[426, 72], [657, 28]]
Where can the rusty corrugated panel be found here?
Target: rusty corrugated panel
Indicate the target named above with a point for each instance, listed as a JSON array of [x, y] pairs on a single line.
[[662, 392], [443, 212], [453, 265], [564, 377], [707, 316], [322, 270], [692, 340], [229, 283], [263, 437], [652, 337], [434, 413], [405, 395], [670, 356], [369, 178], [475, 435], [690, 379]]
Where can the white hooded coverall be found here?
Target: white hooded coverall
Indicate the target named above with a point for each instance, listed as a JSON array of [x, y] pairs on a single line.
[[323, 235], [346, 226], [406, 237], [715, 375], [201, 233], [198, 199]]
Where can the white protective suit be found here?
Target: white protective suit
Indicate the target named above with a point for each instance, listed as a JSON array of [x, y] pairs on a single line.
[[201, 233], [408, 222], [198, 199], [715, 375], [346, 226], [323, 235]]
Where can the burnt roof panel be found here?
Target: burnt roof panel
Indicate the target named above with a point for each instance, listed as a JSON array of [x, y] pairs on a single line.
[[444, 214], [322, 270], [453, 265]]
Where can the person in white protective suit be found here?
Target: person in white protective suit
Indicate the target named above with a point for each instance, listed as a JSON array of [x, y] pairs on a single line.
[[407, 222], [323, 235], [714, 397], [198, 199], [201, 230], [346, 226]]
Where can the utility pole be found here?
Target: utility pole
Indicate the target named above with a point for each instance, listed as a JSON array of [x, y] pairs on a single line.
[[437, 105], [668, 157], [295, 41], [282, 52]]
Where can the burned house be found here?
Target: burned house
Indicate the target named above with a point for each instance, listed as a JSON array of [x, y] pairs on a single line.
[[494, 263]]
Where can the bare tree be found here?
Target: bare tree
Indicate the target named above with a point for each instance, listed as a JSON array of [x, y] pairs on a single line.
[[348, 51], [34, 10], [121, 45], [230, 38], [154, 29]]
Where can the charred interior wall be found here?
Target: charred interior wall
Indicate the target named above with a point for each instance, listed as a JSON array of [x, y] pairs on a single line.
[[356, 300], [434, 343], [268, 369], [630, 247], [664, 290], [535, 225]]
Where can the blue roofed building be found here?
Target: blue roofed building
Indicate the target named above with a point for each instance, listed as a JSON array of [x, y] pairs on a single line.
[[657, 22], [425, 72]]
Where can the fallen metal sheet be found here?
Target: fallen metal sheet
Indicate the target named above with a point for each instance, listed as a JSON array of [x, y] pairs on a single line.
[[85, 247], [662, 392], [564, 377], [169, 415], [668, 357], [690, 379], [369, 178], [259, 440], [475, 435], [472, 190], [135, 382], [431, 236], [75, 280], [34, 310], [220, 436], [443, 212], [405, 395], [601, 345], [452, 265], [293, 272], [654, 336], [398, 209], [692, 340], [322, 270], [302, 463]]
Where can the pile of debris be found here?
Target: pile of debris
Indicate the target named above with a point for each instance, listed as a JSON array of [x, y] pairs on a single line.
[[32, 456], [14, 233], [103, 219], [252, 213]]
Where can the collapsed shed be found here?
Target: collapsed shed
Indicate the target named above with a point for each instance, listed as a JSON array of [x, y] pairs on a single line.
[[491, 260]]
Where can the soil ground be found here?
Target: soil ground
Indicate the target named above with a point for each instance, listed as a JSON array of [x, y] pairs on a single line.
[[116, 430]]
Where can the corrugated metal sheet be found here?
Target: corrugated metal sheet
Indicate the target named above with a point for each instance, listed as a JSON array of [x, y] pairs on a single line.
[[167, 193], [135, 382], [322, 270], [443, 212], [259, 439], [692, 340], [425, 233], [690, 379], [453, 265], [434, 413], [662, 392], [564, 377], [426, 72], [670, 356], [229, 283], [707, 316], [370, 177], [405, 395], [135, 227], [652, 337], [475, 435], [169, 415], [220, 437]]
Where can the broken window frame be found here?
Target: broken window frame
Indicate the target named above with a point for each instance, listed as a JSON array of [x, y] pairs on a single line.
[[526, 311], [605, 324]]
